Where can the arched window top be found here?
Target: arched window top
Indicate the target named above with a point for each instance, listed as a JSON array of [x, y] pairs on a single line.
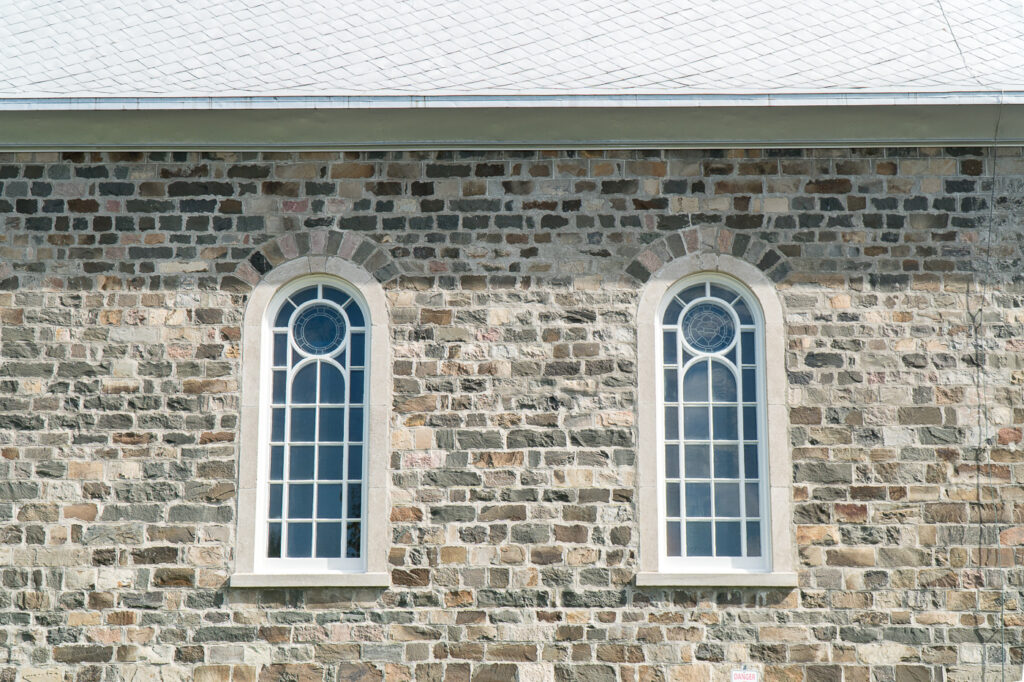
[[316, 395], [711, 466]]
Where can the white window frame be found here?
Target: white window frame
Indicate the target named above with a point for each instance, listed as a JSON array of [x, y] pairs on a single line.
[[656, 569], [253, 568]]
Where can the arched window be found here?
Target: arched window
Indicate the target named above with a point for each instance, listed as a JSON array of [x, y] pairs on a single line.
[[713, 465], [316, 398], [317, 404]]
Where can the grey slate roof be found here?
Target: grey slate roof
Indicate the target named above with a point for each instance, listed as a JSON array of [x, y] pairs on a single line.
[[106, 49]]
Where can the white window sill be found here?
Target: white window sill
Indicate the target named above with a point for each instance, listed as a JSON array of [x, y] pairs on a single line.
[[716, 580], [311, 580]]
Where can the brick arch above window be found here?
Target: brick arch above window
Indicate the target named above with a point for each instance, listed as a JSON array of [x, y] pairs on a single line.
[[252, 425], [653, 570]]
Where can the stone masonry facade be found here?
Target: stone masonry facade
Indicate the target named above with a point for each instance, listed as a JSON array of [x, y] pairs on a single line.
[[512, 280]]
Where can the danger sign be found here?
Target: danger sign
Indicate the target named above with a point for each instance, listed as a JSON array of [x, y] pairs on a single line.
[[744, 676]]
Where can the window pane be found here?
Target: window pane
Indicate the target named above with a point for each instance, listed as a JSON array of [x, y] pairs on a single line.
[[723, 384], [695, 383], [300, 462], [277, 424], [282, 318], [328, 501], [357, 341], [694, 292], [303, 424], [743, 312], [328, 540], [280, 350], [749, 385], [355, 315], [672, 500], [352, 540], [727, 461], [274, 541], [750, 468], [355, 424], [698, 499], [671, 461], [304, 385], [307, 294], [753, 500], [722, 293], [332, 424], [331, 461], [277, 462], [750, 422], [726, 426], [339, 297], [280, 378], [354, 501], [275, 501], [695, 424], [698, 538], [674, 545], [300, 502], [668, 341], [698, 461], [747, 340], [671, 386], [728, 539], [300, 540], [672, 312], [727, 499], [672, 423], [356, 391], [753, 538], [355, 462]]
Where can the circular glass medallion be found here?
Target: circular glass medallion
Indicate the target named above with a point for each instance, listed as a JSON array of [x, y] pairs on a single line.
[[708, 328], [318, 330]]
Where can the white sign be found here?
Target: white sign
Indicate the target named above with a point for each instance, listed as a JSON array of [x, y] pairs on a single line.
[[744, 676]]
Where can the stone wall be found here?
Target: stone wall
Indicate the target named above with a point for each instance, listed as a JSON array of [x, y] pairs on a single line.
[[513, 280]]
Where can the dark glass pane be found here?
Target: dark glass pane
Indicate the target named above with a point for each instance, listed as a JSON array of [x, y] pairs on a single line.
[[747, 341], [331, 462], [300, 501], [671, 461], [753, 538], [723, 384], [339, 297], [686, 357], [280, 378], [332, 384], [319, 329], [672, 312], [332, 424], [358, 341], [300, 462], [750, 422], [727, 499], [743, 312], [696, 291], [672, 423], [277, 424], [277, 462], [668, 342], [731, 355], [274, 541], [355, 424], [695, 423], [355, 315], [672, 500], [328, 540], [307, 294], [355, 462], [695, 383], [275, 501], [352, 540], [671, 386], [749, 385], [750, 468], [698, 538], [698, 499], [304, 385], [282, 315], [708, 328], [328, 501], [753, 500], [727, 461], [300, 540], [698, 462], [674, 545], [728, 541], [303, 424], [356, 392], [354, 506], [280, 350], [722, 293], [726, 423]]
